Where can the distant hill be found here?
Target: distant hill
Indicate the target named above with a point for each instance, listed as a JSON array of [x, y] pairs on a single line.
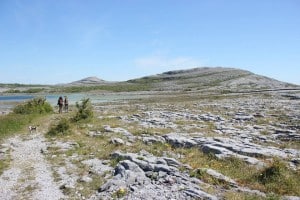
[[88, 81], [202, 79], [216, 78]]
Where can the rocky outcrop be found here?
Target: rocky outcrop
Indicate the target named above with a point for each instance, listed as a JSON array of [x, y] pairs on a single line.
[[226, 147], [144, 176]]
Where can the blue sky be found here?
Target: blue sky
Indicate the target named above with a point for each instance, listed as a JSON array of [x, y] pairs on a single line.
[[51, 41]]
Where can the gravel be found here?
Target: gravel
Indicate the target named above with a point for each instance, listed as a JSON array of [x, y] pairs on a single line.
[[29, 175]]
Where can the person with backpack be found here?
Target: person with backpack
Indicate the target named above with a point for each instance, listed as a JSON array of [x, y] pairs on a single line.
[[66, 104], [60, 104]]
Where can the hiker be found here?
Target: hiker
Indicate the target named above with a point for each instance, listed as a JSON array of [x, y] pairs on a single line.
[[60, 104], [66, 104]]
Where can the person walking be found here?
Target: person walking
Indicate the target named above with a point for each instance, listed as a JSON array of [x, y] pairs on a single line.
[[60, 104], [66, 104]]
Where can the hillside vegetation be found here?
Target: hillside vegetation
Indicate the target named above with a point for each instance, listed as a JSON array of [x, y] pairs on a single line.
[[197, 79]]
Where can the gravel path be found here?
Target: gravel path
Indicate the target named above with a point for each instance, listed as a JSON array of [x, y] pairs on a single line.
[[29, 175]]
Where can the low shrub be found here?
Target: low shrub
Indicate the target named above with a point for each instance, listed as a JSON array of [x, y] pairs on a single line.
[[34, 106], [84, 110], [62, 128], [278, 178]]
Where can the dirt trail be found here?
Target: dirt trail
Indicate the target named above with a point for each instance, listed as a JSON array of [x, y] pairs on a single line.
[[29, 175]]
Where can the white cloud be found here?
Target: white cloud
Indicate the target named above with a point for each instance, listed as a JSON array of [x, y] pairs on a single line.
[[161, 62]]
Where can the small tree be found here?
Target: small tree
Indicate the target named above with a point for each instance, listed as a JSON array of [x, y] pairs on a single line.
[[84, 110]]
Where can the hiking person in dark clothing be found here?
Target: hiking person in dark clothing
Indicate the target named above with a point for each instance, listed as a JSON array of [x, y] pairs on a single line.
[[60, 104], [66, 104]]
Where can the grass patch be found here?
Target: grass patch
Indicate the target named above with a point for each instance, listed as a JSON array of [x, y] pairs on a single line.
[[277, 178], [13, 123], [63, 127], [28, 91], [118, 87], [23, 115], [4, 164], [230, 195], [202, 175], [91, 187], [120, 193]]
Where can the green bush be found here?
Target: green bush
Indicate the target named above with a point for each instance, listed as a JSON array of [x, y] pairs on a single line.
[[84, 110], [23, 115], [62, 128], [34, 106], [272, 173]]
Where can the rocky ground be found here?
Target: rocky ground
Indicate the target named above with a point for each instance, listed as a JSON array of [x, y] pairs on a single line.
[[200, 147]]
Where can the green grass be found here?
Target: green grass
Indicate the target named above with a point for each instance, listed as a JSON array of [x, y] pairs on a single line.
[[120, 87], [28, 91], [4, 164], [231, 195], [276, 178], [13, 123], [23, 115]]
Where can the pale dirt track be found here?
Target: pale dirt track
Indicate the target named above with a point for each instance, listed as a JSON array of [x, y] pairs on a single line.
[[29, 175]]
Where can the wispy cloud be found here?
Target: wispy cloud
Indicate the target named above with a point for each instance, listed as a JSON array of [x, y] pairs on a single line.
[[163, 62]]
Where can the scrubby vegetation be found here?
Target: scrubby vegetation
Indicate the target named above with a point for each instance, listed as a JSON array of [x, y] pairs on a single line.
[[34, 106], [63, 127], [12, 123], [84, 113], [278, 178], [119, 87], [28, 91], [22, 115]]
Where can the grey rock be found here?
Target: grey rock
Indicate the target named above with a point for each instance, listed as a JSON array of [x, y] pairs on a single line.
[[122, 131], [94, 133], [290, 198], [117, 141], [97, 166], [249, 191], [65, 146], [86, 179], [229, 146], [177, 140], [210, 117], [172, 162], [145, 176], [286, 135], [220, 177], [243, 117], [196, 194], [153, 139]]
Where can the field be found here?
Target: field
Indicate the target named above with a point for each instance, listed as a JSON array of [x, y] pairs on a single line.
[[171, 144]]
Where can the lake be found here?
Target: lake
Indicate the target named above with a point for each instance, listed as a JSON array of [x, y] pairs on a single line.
[[7, 102]]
